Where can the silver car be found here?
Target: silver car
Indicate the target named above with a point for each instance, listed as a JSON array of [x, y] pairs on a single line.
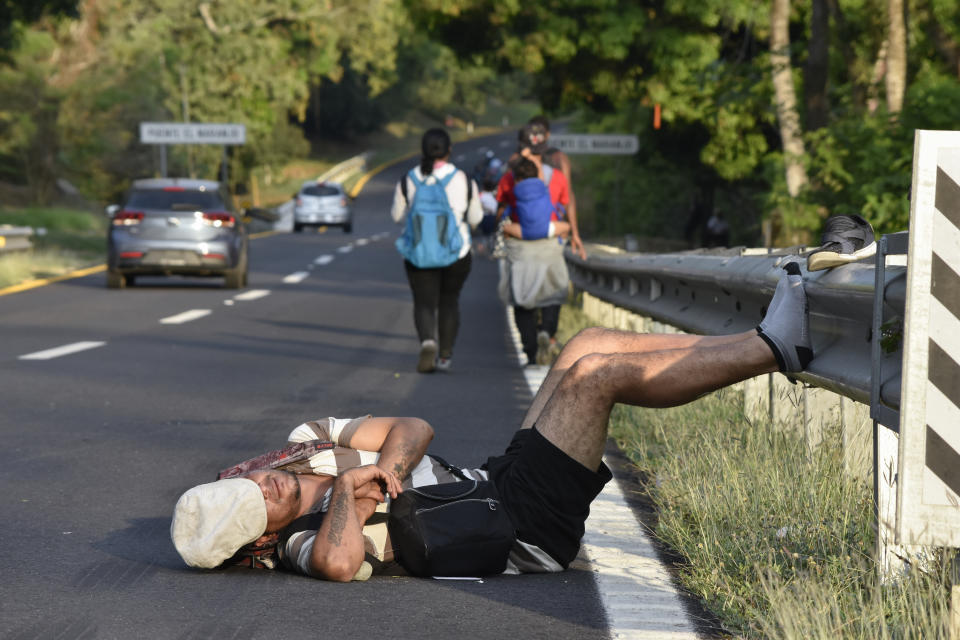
[[176, 226], [322, 204]]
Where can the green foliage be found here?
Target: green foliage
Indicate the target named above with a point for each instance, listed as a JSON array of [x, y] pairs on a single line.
[[15, 13], [129, 61], [55, 219], [862, 164]]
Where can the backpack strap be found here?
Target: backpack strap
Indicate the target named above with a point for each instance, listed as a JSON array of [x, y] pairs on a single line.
[[444, 182], [272, 459], [469, 193], [449, 467]]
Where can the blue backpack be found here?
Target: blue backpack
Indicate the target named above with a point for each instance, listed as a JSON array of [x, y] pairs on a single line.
[[432, 237]]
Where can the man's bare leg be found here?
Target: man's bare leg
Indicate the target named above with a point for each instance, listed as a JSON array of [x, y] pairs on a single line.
[[600, 340], [575, 416]]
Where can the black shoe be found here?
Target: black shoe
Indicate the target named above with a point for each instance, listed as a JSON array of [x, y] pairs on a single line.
[[845, 239]]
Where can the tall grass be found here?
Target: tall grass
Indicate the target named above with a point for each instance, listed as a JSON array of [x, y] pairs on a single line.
[[776, 538]]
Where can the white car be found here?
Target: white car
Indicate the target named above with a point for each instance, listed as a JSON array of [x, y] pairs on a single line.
[[322, 204]]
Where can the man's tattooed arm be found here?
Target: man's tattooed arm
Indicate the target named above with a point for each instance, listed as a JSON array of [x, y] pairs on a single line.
[[337, 551], [337, 515], [404, 446]]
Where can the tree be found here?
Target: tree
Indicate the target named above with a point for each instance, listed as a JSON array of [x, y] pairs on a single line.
[[817, 68], [785, 99], [896, 62], [17, 12]]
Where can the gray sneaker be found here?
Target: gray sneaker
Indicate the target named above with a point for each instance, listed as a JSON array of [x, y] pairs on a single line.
[[845, 239], [543, 348], [428, 356]]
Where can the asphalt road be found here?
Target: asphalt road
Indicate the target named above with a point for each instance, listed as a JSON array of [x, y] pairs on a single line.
[[99, 444]]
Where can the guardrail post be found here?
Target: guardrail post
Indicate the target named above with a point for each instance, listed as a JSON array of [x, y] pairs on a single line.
[[15, 239], [892, 559]]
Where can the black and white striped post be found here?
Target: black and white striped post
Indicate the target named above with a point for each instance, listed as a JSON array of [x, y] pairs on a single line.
[[928, 490]]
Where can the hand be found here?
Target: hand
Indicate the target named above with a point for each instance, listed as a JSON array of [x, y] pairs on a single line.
[[577, 245], [513, 230], [370, 481]]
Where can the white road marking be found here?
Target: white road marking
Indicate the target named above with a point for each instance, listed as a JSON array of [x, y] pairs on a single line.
[[324, 259], [229, 303], [362, 242], [186, 316], [296, 277], [636, 589], [65, 350], [253, 294], [345, 249], [460, 158]]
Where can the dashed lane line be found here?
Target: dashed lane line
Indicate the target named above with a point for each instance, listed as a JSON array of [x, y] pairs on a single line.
[[362, 242], [636, 589], [186, 316], [65, 350], [324, 259], [295, 277], [253, 294], [347, 248]]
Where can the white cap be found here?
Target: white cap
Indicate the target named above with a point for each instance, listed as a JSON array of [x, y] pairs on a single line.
[[212, 521]]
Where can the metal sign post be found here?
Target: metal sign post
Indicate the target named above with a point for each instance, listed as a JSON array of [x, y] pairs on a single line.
[[166, 133]]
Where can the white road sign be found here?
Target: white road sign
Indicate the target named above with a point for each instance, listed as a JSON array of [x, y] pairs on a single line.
[[596, 143], [928, 500], [192, 133]]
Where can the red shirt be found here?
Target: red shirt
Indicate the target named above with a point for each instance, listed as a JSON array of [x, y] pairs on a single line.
[[559, 192]]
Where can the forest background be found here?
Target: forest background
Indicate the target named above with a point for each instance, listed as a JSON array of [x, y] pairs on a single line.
[[773, 113]]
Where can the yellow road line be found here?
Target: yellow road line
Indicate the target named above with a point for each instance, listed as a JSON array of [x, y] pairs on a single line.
[[361, 183], [79, 273], [33, 284], [263, 234]]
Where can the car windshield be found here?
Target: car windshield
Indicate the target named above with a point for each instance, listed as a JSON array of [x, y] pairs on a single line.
[[186, 200], [320, 190]]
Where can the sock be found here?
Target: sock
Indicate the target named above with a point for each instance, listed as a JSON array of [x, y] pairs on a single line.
[[786, 326]]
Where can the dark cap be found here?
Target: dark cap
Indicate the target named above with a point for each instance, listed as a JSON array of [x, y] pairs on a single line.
[[533, 135]]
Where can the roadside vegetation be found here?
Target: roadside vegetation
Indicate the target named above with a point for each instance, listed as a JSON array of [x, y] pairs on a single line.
[[774, 114], [775, 538], [63, 240]]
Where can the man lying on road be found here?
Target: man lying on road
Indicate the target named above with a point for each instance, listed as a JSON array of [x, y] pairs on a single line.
[[547, 478]]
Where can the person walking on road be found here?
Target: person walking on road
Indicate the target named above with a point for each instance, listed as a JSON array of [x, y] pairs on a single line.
[[533, 273], [440, 205], [557, 159], [546, 479]]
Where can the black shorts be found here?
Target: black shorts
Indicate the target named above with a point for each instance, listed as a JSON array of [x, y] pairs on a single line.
[[546, 492]]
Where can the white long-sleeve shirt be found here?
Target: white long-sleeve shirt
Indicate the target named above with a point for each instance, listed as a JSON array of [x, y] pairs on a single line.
[[469, 214]]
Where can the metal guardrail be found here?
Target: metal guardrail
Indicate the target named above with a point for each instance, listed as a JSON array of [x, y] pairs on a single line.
[[15, 238], [726, 291], [342, 171]]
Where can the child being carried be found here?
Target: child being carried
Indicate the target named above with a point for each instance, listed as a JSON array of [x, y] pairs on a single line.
[[537, 217]]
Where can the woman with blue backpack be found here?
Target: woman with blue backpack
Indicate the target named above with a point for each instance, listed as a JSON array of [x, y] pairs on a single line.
[[439, 204]]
